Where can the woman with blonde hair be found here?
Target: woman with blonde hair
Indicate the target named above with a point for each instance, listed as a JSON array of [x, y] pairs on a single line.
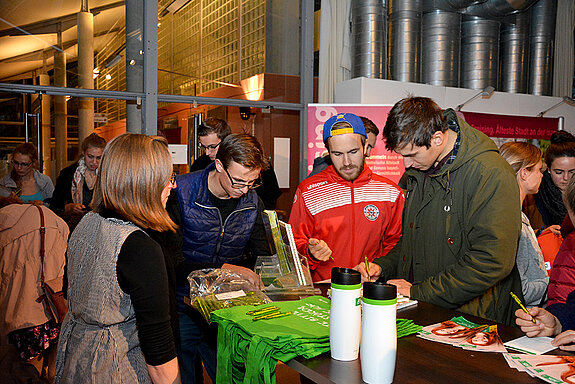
[[525, 159], [118, 326], [24, 179], [75, 184]]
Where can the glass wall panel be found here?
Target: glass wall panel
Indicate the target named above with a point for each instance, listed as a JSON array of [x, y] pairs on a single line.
[[51, 123], [74, 48], [246, 49], [178, 122]]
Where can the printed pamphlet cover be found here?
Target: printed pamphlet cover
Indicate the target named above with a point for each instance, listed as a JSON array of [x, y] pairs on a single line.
[[463, 333]]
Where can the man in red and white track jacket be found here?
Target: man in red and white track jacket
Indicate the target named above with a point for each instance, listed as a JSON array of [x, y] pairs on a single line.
[[345, 212]]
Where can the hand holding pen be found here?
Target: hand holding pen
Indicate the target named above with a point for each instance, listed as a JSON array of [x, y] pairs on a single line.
[[545, 323], [319, 249]]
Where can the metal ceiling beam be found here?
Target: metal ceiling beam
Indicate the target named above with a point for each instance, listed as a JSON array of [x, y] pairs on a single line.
[[30, 56], [51, 25], [122, 95]]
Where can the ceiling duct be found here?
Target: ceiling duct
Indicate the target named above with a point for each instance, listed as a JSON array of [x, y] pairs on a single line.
[[497, 9], [479, 52], [542, 34], [515, 53], [458, 4], [369, 37], [404, 39], [449, 5], [440, 48]]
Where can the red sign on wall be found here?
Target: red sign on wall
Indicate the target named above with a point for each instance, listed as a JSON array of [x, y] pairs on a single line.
[[512, 126]]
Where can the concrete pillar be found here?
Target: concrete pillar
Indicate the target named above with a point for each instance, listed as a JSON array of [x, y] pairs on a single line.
[[60, 110], [44, 79], [134, 62], [85, 73]]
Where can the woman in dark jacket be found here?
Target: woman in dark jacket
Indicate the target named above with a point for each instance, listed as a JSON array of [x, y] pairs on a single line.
[[75, 184], [546, 210]]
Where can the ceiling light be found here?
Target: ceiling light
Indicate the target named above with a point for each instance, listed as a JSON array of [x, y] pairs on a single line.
[[566, 99], [485, 92]]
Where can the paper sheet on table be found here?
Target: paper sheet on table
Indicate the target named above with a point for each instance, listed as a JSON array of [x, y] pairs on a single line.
[[531, 345], [550, 368]]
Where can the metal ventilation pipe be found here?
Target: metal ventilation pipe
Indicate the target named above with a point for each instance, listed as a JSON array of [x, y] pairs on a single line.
[[404, 39], [515, 54], [543, 15], [454, 5], [479, 52], [498, 8], [449, 5], [458, 4], [440, 48], [369, 37]]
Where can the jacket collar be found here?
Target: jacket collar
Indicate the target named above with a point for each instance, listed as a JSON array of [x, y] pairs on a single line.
[[40, 181], [363, 178], [203, 196]]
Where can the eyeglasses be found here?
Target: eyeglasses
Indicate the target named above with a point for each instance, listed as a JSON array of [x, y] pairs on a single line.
[[173, 180], [251, 185], [19, 164], [210, 147]]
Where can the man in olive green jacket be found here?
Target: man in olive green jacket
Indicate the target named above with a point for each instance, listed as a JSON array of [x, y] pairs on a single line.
[[461, 222]]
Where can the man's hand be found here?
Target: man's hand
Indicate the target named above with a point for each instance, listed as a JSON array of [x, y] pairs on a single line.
[[545, 323], [567, 337], [374, 271], [246, 274], [403, 286], [319, 249], [74, 208]]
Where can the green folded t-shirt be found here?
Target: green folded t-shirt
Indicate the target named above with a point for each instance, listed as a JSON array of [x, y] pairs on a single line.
[[248, 350]]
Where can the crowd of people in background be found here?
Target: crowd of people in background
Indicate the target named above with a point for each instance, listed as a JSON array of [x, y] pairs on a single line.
[[123, 232]]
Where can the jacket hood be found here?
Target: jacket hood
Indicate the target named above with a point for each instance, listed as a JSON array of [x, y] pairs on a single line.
[[473, 142], [12, 214]]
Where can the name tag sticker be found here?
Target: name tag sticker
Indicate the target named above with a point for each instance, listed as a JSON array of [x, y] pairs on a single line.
[[230, 295]]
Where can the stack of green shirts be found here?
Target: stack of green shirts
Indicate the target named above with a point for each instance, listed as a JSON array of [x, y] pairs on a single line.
[[248, 350]]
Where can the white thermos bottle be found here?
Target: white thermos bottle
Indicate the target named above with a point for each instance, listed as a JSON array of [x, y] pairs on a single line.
[[378, 333], [345, 314]]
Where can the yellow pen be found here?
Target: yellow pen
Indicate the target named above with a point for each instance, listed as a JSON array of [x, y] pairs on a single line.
[[367, 269], [314, 243], [271, 316], [521, 305]]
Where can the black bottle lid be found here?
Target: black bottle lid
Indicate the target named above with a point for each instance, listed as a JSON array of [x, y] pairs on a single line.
[[345, 276], [379, 291]]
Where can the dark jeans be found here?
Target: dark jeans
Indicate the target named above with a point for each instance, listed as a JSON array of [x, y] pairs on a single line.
[[198, 341]]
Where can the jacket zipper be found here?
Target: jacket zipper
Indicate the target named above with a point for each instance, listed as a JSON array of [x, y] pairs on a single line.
[[352, 216], [223, 226]]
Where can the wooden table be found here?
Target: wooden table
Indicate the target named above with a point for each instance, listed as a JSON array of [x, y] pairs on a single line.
[[424, 361]]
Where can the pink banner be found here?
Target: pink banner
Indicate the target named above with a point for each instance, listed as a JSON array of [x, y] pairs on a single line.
[[512, 126], [381, 161]]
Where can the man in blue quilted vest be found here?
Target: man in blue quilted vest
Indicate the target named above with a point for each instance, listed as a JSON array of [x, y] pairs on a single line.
[[220, 219]]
